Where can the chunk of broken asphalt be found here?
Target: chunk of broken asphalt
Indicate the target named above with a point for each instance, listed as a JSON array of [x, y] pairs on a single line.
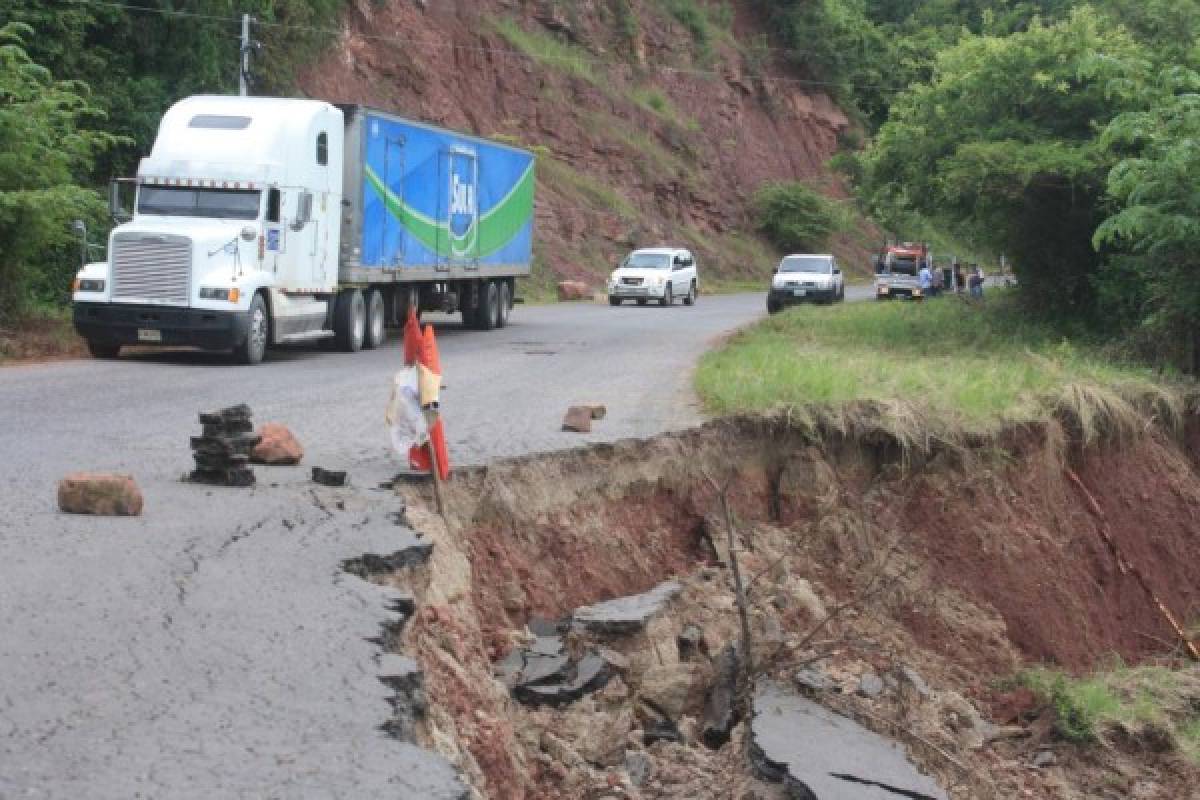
[[625, 615], [328, 477], [661, 730], [870, 685], [816, 753], [414, 554], [590, 674], [814, 680]]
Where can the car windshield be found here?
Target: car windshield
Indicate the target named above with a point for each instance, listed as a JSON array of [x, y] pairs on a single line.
[[818, 264], [180, 201], [648, 261]]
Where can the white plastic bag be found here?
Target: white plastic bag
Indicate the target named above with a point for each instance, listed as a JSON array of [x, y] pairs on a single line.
[[404, 418]]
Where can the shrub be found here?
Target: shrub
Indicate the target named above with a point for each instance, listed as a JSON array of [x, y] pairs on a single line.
[[794, 216]]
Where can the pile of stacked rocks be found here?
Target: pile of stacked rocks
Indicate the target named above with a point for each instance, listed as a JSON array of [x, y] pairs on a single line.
[[222, 452]]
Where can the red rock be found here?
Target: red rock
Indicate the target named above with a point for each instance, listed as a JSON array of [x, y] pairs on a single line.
[[573, 290], [578, 419], [277, 447], [99, 493]]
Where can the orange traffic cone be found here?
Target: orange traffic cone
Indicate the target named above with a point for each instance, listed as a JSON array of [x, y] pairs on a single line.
[[412, 339], [426, 353]]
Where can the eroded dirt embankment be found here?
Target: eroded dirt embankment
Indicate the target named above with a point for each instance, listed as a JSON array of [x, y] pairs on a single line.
[[962, 563]]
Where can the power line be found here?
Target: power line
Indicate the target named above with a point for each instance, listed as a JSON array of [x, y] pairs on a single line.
[[501, 52]]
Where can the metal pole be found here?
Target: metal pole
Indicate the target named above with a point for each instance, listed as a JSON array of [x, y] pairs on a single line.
[[244, 56]]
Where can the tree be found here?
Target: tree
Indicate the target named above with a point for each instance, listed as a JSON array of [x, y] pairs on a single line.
[[45, 141], [1002, 146], [1152, 280]]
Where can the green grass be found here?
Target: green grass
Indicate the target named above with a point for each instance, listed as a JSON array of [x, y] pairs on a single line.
[[1148, 698], [547, 49], [961, 365]]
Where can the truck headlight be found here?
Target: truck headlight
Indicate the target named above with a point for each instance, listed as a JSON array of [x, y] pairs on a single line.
[[89, 285], [207, 293]]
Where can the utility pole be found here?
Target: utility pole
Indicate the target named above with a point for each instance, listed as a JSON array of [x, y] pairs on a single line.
[[244, 56]]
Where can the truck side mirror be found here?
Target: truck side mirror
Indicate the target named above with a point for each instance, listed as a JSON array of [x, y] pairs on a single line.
[[303, 211], [116, 206]]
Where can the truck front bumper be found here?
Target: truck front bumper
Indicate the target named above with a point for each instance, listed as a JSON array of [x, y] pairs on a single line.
[[787, 297], [118, 323]]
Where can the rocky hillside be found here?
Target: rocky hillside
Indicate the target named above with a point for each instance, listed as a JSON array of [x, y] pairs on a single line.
[[654, 120]]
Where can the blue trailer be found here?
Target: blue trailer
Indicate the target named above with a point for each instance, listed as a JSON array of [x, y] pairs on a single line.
[[445, 217]]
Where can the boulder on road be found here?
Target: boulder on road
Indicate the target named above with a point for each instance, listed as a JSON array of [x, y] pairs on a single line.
[[573, 290], [277, 446], [578, 419], [99, 493]]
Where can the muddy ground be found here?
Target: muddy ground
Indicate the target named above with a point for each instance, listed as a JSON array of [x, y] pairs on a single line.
[[905, 590]]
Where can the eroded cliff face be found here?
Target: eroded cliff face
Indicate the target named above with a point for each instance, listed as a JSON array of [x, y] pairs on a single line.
[[647, 133]]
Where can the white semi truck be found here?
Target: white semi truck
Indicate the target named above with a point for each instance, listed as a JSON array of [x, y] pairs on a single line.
[[260, 221]]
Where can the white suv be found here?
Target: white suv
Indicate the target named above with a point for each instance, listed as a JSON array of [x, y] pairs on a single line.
[[800, 278], [658, 273]]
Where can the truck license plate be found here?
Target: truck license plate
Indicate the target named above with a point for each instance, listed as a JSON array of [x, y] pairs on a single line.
[[149, 335], [799, 292]]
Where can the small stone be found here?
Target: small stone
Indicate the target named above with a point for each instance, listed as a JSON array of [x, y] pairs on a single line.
[[328, 477], [277, 446], [913, 679], [1045, 758], [870, 685], [578, 420], [100, 493]]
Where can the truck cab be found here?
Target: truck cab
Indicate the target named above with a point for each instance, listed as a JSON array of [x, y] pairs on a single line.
[[897, 268], [234, 234]]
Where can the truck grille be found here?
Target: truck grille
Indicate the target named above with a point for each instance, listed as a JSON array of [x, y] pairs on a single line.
[[154, 268]]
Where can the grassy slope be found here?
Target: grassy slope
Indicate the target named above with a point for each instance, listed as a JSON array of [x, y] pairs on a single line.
[[963, 365]]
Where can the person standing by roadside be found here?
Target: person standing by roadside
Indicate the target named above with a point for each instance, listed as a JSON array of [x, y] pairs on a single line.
[[925, 279], [939, 282], [960, 279], [976, 282]]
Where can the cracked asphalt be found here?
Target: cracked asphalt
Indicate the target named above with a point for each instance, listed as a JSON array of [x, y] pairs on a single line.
[[213, 647]]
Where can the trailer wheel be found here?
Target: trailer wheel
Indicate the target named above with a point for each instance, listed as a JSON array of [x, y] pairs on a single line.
[[350, 320], [254, 348], [374, 327], [487, 312], [504, 306], [104, 350]]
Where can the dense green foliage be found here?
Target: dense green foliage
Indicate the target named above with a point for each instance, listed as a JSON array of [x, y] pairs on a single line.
[[81, 94], [795, 217], [46, 139], [1058, 133]]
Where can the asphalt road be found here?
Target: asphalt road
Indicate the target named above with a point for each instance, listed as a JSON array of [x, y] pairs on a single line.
[[213, 647]]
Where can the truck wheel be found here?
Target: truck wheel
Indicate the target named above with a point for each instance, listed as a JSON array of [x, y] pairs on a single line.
[[254, 348], [690, 298], [375, 331], [504, 306], [667, 299], [350, 320], [773, 306], [614, 301], [103, 349], [487, 312]]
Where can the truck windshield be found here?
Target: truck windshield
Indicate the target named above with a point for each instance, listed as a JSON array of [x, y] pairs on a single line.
[[816, 264], [182, 201], [648, 261], [904, 265]]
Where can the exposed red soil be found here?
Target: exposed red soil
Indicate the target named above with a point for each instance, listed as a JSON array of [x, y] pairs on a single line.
[[999, 563], [686, 169]]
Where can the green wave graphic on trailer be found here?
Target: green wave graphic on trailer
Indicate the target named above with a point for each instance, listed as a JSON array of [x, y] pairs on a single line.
[[432, 197]]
